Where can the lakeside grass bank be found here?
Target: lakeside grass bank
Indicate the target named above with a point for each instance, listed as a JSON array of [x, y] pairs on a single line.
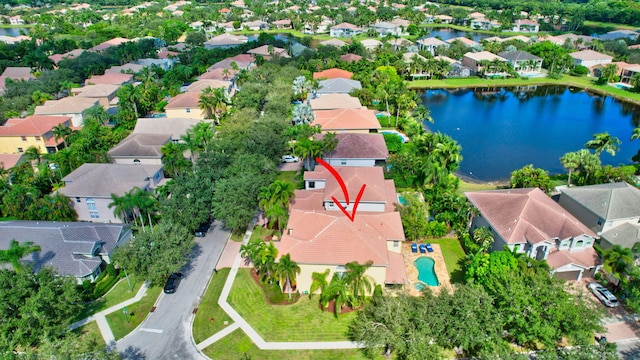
[[567, 80]]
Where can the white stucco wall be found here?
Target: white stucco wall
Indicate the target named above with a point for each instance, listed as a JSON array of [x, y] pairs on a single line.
[[102, 205], [352, 162], [377, 274]]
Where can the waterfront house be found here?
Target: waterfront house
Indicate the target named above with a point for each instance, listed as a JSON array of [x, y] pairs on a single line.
[[443, 19], [384, 28], [523, 62], [267, 52], [332, 42], [282, 24], [76, 249], [319, 236], [225, 41], [17, 135], [628, 73], [344, 30], [346, 121], [474, 60], [464, 40], [90, 186], [431, 44], [355, 149], [620, 34], [528, 221], [589, 58], [525, 25]]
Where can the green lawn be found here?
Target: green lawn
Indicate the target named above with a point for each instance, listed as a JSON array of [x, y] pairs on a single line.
[[292, 177], [261, 233], [119, 293], [582, 82], [609, 25], [302, 321], [90, 333], [467, 186], [237, 344], [209, 309], [237, 237], [137, 313], [453, 253]]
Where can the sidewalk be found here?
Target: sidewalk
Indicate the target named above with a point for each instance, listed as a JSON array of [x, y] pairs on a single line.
[[241, 323], [101, 320]]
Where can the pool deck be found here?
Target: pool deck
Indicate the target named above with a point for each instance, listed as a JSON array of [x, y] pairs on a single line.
[[412, 273]]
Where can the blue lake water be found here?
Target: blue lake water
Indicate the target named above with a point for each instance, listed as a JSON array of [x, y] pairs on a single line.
[[448, 33], [503, 129], [13, 31]]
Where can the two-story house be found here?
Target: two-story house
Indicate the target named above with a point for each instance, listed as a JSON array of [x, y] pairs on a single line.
[[75, 107], [344, 30], [530, 222], [17, 135], [90, 187]]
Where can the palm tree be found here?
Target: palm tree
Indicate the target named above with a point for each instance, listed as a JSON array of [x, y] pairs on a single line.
[[571, 162], [302, 114], [483, 238], [215, 102], [604, 142], [267, 260], [33, 153], [609, 71], [61, 131], [329, 143], [358, 281], [422, 113], [619, 259], [319, 282], [286, 271], [173, 160], [17, 251], [301, 87], [274, 200], [338, 291]]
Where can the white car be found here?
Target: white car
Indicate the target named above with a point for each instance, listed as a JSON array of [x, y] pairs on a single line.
[[289, 159], [603, 294]]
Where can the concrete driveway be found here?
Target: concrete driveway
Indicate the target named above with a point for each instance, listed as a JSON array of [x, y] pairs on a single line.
[[166, 333]]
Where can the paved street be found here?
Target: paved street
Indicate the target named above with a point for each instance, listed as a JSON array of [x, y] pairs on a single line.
[[165, 334]]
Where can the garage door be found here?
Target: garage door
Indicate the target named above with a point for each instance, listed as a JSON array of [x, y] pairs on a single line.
[[567, 275]]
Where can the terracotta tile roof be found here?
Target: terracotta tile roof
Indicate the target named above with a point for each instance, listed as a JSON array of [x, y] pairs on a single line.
[[354, 178], [134, 68], [464, 40], [35, 125], [335, 101], [68, 55], [396, 273], [332, 74], [520, 215], [218, 74], [200, 85], [586, 258], [96, 91], [226, 40], [346, 119], [483, 55], [346, 25], [359, 146], [109, 78], [167, 54], [264, 51], [350, 57], [184, 100], [333, 42], [331, 238], [109, 43], [17, 73], [590, 55], [7, 161]]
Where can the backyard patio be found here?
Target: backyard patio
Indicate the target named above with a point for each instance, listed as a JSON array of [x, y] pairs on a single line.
[[412, 272]]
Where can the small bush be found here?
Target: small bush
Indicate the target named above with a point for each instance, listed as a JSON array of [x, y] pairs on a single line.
[[111, 270], [104, 286], [273, 292], [377, 291], [579, 70]]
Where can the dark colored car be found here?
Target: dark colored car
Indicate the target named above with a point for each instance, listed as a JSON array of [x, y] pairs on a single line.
[[172, 283], [202, 230]]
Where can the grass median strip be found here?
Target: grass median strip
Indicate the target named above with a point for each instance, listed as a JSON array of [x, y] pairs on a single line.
[[210, 317], [237, 344], [302, 321], [122, 324], [90, 333]]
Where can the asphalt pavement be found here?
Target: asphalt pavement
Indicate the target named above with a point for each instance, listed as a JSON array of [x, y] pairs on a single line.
[[166, 333]]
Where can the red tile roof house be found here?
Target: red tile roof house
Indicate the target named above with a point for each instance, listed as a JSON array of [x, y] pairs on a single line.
[[333, 73], [319, 236], [109, 43], [7, 161], [345, 30], [90, 186], [347, 121], [335, 101], [185, 105], [590, 58], [104, 93], [15, 74], [264, 52], [17, 135], [110, 78], [530, 222], [472, 61], [358, 150]]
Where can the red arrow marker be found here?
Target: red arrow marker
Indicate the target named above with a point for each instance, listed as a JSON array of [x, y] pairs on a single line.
[[344, 190]]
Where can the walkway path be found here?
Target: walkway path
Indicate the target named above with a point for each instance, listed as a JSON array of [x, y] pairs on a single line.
[[101, 319], [241, 323]]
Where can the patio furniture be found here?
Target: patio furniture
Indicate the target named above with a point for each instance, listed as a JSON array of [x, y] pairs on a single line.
[[423, 249], [429, 248], [414, 247]]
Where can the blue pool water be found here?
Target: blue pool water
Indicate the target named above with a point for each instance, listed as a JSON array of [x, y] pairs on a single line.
[[402, 200], [426, 271]]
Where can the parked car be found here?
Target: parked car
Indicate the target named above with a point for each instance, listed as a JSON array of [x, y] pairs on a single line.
[[289, 159], [603, 294], [203, 229], [172, 283]]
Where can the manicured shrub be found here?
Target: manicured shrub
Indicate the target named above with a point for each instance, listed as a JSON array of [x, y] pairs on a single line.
[[111, 270], [579, 70], [377, 291], [273, 292]]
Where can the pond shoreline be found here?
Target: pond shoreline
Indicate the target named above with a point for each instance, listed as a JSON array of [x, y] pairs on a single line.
[[472, 83]]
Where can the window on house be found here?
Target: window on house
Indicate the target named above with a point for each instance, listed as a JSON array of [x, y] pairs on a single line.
[[188, 110], [312, 184], [599, 221], [24, 138], [93, 210], [37, 138], [579, 244], [396, 243], [343, 162], [20, 150], [517, 247], [78, 199]]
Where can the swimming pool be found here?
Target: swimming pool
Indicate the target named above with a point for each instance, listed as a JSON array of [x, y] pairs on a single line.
[[426, 271], [402, 200]]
